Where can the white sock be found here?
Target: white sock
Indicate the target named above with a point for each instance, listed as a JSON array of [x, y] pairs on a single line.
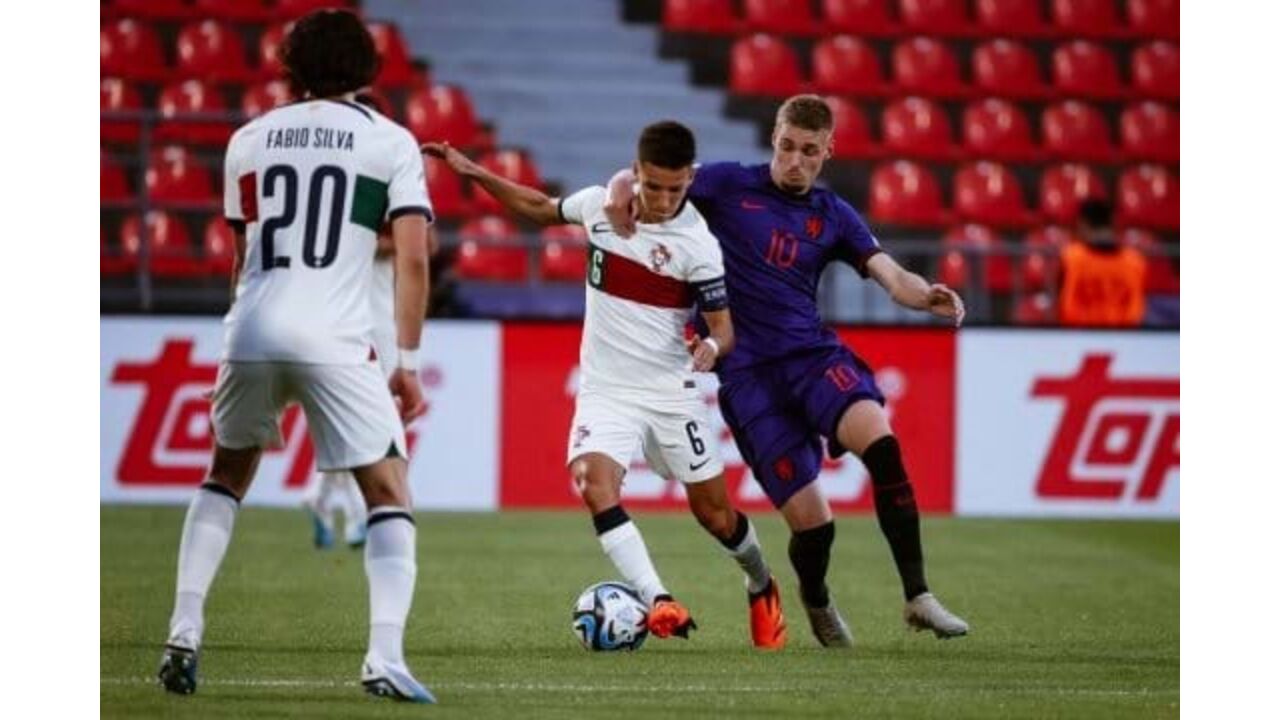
[[353, 505], [317, 495], [626, 549], [389, 563], [205, 534], [751, 559]]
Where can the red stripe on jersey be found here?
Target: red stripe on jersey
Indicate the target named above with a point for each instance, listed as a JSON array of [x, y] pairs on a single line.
[[249, 197], [629, 280]]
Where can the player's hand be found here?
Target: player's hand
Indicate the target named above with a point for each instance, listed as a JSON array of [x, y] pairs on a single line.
[[945, 302], [704, 354], [456, 161], [620, 206], [407, 393]]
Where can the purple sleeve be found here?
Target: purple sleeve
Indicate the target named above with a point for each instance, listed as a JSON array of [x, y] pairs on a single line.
[[855, 243], [713, 179]]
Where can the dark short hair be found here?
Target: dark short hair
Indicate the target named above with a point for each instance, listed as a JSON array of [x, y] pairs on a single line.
[[1096, 213], [807, 112], [667, 144], [329, 52]]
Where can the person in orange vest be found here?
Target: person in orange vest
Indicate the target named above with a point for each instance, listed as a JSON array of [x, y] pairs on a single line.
[[1102, 280]]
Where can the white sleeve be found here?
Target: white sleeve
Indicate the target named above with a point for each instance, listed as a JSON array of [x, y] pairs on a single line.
[[407, 192], [575, 208], [705, 261], [233, 208]]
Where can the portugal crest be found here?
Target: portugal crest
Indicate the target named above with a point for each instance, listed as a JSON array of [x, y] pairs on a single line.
[[659, 257]]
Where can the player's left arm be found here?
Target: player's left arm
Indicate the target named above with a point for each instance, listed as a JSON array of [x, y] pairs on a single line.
[[912, 291]]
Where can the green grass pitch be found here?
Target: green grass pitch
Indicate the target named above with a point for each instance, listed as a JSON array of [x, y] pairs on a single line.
[[1069, 619]]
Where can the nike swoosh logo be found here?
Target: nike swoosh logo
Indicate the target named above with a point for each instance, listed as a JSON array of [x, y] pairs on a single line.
[[699, 465], [748, 205], [602, 227]]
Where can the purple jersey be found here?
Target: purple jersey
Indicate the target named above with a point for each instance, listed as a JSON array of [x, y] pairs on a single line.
[[775, 247]]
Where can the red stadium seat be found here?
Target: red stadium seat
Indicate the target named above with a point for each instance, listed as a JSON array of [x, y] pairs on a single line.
[[1019, 18], [1158, 18], [1161, 275], [701, 16], [905, 193], [442, 114], [297, 8], [113, 186], [269, 45], [934, 17], [490, 250], [234, 10], [1007, 69], [1155, 70], [1085, 18], [1075, 130], [844, 65], [212, 51], [953, 270], [260, 98], [1064, 187], [1086, 69], [1148, 197], [148, 9], [1042, 263], [998, 129], [926, 66], [979, 243], [510, 164], [916, 127], [174, 177], [219, 246], [131, 50], [113, 262], [192, 96], [1036, 309], [564, 253], [397, 69], [784, 17], [119, 96], [763, 65], [861, 17], [1149, 131], [445, 188], [171, 253], [988, 193], [851, 137]]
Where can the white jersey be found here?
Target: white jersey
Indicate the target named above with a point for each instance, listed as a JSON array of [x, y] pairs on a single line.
[[639, 294], [312, 183], [382, 303]]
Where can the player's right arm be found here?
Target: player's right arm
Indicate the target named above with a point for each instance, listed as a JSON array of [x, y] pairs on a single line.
[[529, 203], [235, 209]]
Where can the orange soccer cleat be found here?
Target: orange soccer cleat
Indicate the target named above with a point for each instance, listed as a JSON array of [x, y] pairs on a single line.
[[669, 617], [768, 627]]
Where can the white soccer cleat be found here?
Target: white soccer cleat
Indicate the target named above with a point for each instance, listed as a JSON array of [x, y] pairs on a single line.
[[828, 627], [393, 681], [924, 612]]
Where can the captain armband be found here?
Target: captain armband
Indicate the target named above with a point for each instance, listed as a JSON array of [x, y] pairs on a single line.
[[712, 295]]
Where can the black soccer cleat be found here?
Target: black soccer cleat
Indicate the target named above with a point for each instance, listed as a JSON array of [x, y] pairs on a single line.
[[178, 670]]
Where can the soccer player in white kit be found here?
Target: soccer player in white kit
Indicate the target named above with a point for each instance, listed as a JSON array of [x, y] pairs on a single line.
[[636, 385], [307, 187]]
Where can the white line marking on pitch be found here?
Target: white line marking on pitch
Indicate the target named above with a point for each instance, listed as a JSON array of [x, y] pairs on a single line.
[[314, 683]]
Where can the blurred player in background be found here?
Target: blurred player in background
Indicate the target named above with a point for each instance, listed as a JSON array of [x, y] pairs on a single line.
[[307, 187], [1102, 280], [637, 386], [790, 382]]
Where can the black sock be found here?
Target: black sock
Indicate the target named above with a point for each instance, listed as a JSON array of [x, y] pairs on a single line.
[[896, 511], [739, 533], [609, 518], [810, 552]]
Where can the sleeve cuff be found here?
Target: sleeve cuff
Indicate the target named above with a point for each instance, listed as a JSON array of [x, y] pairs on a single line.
[[236, 224], [860, 263], [412, 210]]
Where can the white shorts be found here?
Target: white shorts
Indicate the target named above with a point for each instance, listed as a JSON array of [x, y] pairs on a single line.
[[676, 443], [350, 413]]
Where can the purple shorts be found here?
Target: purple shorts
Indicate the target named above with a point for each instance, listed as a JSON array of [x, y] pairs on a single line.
[[778, 413]]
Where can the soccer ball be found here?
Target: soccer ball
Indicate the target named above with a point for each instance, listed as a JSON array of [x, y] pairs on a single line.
[[610, 616]]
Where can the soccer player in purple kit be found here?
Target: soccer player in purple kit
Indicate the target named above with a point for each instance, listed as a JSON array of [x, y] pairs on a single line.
[[790, 381]]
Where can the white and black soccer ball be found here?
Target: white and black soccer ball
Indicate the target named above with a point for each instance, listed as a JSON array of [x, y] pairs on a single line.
[[610, 616]]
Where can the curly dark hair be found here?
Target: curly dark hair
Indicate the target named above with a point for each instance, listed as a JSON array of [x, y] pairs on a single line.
[[327, 53], [667, 144]]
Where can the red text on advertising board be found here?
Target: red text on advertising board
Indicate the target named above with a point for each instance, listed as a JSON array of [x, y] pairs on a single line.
[[1114, 434], [171, 436]]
